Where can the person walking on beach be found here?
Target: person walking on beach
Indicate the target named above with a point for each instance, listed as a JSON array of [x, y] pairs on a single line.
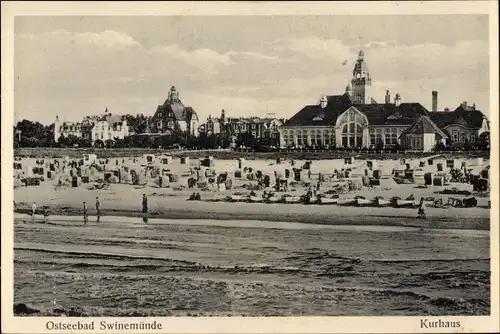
[[98, 208], [33, 211], [144, 203], [421, 209], [144, 208], [85, 213]]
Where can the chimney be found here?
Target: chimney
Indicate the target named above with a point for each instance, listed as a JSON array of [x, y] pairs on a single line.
[[434, 100], [397, 100], [387, 97], [446, 109], [323, 102]]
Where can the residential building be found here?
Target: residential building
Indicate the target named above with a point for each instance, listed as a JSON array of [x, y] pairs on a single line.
[[93, 128], [266, 129], [109, 127], [65, 129]]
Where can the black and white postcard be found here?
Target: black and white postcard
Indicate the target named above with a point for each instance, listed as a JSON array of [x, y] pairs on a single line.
[[249, 167]]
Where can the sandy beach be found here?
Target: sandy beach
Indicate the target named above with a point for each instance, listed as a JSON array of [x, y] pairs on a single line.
[[124, 200], [211, 257]]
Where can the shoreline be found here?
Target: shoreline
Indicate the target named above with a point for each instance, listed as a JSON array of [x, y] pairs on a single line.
[[292, 213]]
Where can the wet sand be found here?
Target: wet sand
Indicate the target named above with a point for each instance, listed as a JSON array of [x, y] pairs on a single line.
[[124, 200]]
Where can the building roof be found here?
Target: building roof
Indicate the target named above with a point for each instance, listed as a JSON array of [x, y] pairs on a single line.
[[192, 114], [424, 125], [112, 119], [314, 115], [465, 116], [181, 112], [377, 114], [390, 114]]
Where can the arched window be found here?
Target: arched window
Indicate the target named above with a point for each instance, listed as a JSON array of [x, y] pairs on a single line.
[[352, 135], [304, 137], [387, 138]]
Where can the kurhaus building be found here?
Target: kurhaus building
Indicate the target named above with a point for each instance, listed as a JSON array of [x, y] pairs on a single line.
[[355, 120]]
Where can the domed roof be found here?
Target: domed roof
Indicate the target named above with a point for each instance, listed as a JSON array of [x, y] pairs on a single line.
[[173, 89], [361, 54]]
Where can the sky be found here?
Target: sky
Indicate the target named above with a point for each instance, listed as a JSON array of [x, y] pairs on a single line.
[[248, 65]]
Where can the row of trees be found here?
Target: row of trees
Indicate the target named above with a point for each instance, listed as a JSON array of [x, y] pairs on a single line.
[[35, 134]]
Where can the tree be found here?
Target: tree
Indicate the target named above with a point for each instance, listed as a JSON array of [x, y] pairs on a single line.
[[192, 142], [109, 143], [84, 142], [246, 139], [137, 122], [40, 135], [99, 143], [207, 142]]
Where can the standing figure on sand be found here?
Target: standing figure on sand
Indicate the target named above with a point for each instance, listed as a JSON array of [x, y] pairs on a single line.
[[85, 213], [98, 209], [144, 208], [33, 211], [421, 209]]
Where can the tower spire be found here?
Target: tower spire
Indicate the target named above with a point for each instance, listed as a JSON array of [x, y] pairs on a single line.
[[361, 81]]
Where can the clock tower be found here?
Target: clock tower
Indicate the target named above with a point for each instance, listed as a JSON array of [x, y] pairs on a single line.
[[361, 82]]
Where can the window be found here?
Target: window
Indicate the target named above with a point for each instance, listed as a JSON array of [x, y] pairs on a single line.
[[473, 137], [462, 138], [352, 134], [373, 140], [454, 135], [285, 140], [102, 135], [394, 139], [387, 139]]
